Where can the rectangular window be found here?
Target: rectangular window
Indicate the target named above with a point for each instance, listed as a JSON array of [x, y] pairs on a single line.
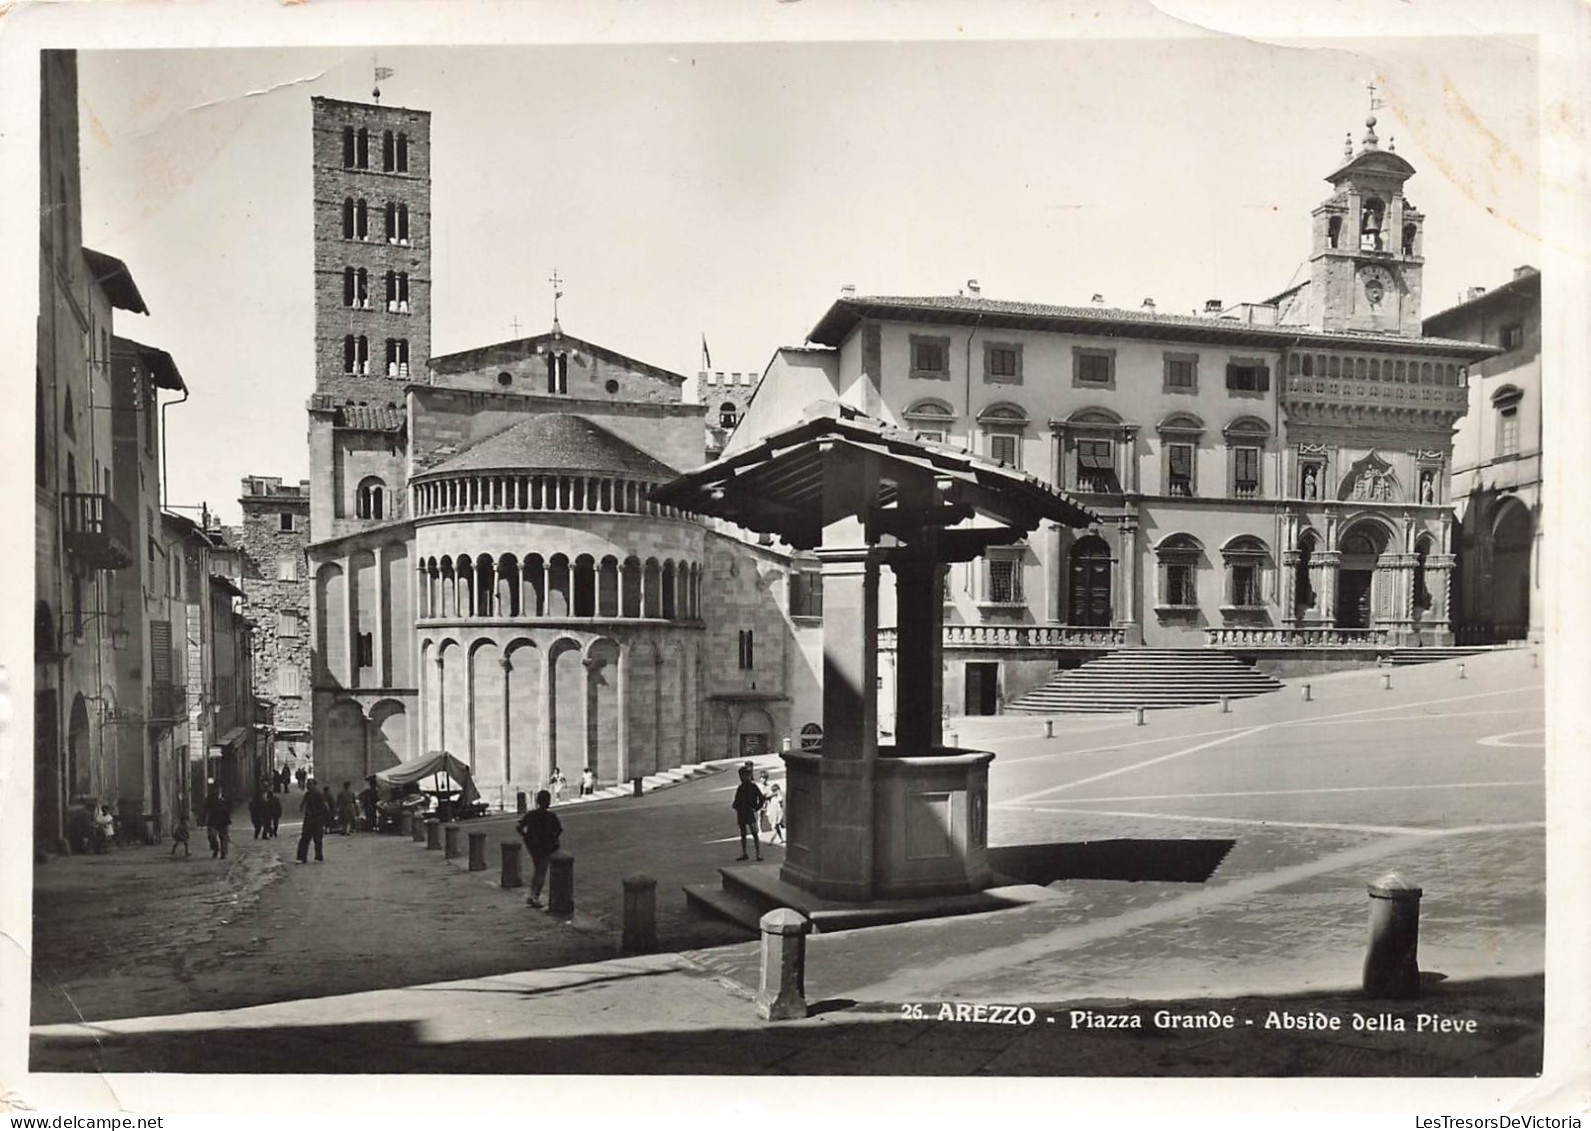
[[1179, 584], [285, 521], [1246, 585], [365, 650], [1245, 472], [1004, 448], [160, 666], [1513, 337], [930, 357], [806, 593], [747, 659], [287, 685], [1179, 470], [1002, 363], [1096, 466], [1092, 369], [1005, 581], [1181, 372], [1247, 377], [286, 624], [287, 569], [1508, 431]]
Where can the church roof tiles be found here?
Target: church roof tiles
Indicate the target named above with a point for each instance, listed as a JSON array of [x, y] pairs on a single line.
[[556, 442]]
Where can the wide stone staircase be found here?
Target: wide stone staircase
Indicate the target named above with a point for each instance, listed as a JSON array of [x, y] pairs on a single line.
[[1146, 677], [1404, 656]]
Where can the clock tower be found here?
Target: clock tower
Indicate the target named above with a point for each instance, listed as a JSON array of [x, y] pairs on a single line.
[[1367, 257]]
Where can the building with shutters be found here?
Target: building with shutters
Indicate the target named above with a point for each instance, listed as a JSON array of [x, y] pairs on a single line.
[[1274, 479], [1497, 464]]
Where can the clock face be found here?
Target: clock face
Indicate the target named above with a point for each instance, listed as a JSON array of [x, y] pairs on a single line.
[[1377, 283]]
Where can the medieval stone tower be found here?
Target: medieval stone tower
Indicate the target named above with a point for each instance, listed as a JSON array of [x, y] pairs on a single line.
[[372, 230]]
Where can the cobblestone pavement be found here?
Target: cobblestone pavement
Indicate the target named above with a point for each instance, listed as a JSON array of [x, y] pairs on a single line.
[[1200, 862]]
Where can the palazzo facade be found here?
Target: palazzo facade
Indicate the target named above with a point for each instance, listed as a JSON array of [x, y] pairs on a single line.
[[1269, 476]]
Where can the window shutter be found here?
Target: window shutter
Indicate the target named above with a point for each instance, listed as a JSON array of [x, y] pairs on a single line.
[[160, 652], [1181, 459], [1262, 380], [1231, 375]]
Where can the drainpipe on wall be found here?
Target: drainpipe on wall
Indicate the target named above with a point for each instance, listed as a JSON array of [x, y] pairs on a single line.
[[165, 479]]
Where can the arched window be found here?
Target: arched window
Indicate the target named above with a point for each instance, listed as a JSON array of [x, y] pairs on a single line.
[[362, 149], [1246, 439], [389, 156], [728, 415], [931, 420], [1371, 212], [1003, 426], [1246, 558], [348, 147], [1505, 402], [1178, 556], [1333, 231], [356, 354], [1410, 232], [370, 500], [811, 737], [356, 287], [403, 153], [1179, 443], [557, 373], [68, 415]]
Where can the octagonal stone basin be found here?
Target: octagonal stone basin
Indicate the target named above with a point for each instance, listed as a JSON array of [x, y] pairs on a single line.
[[929, 820]]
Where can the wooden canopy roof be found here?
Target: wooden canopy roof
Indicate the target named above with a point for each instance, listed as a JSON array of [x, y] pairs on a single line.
[[899, 484]]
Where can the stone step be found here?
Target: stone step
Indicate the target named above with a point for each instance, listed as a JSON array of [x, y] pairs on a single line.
[[736, 906], [1149, 678]]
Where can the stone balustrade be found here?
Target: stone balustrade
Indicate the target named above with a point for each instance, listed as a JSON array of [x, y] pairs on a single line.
[[1014, 636]]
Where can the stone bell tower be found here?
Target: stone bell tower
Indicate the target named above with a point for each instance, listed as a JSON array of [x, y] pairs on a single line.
[[1368, 250]]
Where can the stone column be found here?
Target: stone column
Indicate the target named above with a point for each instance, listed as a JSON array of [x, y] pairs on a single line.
[[626, 654], [378, 637], [508, 735], [850, 725], [1054, 599], [1289, 587], [919, 690], [1326, 590], [1126, 601], [441, 706]]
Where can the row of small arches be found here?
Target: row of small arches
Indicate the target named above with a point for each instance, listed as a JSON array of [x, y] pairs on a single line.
[[1374, 369], [467, 493], [556, 586]]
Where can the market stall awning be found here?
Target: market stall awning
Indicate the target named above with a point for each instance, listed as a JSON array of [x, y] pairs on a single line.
[[777, 486], [429, 766]]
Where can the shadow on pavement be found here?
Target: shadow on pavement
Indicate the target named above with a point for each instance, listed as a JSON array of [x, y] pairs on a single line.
[[1167, 861], [885, 1039]]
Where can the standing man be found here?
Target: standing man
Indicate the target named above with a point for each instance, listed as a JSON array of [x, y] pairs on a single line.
[[540, 829], [747, 804], [316, 809], [273, 814], [218, 822]]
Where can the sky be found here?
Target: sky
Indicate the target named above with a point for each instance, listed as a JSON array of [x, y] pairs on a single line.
[[730, 190]]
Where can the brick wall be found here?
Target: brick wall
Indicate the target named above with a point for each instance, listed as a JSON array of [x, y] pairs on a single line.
[[279, 609]]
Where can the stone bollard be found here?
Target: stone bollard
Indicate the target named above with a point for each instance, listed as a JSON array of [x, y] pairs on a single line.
[[1307, 696], [1386, 681], [782, 996], [477, 852], [405, 823], [640, 915], [1139, 712], [512, 876], [433, 833], [521, 802], [1391, 963], [417, 828], [1049, 728], [1461, 672], [450, 841], [561, 884], [637, 782], [1226, 704]]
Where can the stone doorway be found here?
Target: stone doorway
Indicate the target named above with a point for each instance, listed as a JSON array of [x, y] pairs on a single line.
[[1089, 583]]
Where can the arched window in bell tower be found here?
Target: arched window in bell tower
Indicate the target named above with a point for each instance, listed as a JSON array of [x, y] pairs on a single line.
[[1409, 232], [1333, 231], [1372, 215]]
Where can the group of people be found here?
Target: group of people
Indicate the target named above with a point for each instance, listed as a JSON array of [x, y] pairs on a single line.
[[759, 808], [265, 812]]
